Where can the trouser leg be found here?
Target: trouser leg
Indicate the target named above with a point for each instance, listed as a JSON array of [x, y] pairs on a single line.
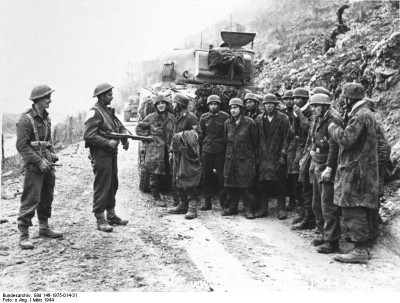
[[208, 176], [373, 222], [316, 203], [355, 219], [114, 184], [47, 195], [332, 229], [232, 200], [155, 184], [31, 195], [103, 183]]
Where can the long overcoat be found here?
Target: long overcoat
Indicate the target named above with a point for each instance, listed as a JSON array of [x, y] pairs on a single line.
[[272, 145], [240, 159], [160, 127], [356, 182]]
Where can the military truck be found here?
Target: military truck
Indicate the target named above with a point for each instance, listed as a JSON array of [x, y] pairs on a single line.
[[131, 108], [227, 71]]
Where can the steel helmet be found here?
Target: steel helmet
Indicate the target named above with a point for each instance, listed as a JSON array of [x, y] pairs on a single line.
[[251, 96], [102, 88], [301, 92], [288, 94], [40, 91], [270, 98], [159, 98], [320, 99], [236, 101], [321, 90], [181, 99], [213, 98], [353, 91]]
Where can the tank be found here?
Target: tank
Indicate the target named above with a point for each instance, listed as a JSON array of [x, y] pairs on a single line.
[[131, 108]]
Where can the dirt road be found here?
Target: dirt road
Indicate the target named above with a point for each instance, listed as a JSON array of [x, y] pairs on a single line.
[[157, 251]]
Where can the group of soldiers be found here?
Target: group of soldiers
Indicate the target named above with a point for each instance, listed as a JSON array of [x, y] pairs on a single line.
[[326, 162]]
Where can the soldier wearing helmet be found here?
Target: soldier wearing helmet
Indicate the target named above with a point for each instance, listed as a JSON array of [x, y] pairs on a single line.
[[324, 155], [159, 125], [240, 160], [35, 145], [356, 181], [186, 127], [251, 103], [297, 153], [213, 150], [273, 128], [101, 119]]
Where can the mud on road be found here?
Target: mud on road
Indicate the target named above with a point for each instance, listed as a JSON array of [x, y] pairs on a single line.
[[157, 251]]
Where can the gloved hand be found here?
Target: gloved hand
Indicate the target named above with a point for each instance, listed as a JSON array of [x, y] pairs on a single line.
[[44, 166], [297, 110], [125, 145], [54, 158], [326, 174], [113, 143]]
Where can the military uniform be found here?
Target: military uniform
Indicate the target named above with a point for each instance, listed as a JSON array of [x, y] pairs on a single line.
[[34, 144], [103, 156], [213, 150]]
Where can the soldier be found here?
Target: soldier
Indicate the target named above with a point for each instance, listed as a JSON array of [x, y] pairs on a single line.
[[213, 149], [103, 153], [324, 155], [159, 125], [297, 152], [356, 181], [293, 183], [185, 121], [36, 148], [251, 102], [273, 128], [240, 161]]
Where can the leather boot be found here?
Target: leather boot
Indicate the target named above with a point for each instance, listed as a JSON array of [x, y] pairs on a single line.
[[329, 247], [263, 210], [113, 219], [24, 241], [300, 216], [181, 209], [232, 208], [359, 254], [308, 221], [206, 204], [46, 232], [282, 215], [102, 223], [192, 212], [318, 241], [175, 198], [222, 199], [249, 213], [291, 204]]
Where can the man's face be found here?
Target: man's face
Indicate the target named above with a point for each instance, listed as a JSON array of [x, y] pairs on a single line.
[[44, 102], [270, 108], [299, 101], [289, 102], [161, 106], [107, 97], [235, 110], [317, 110], [213, 107], [250, 105]]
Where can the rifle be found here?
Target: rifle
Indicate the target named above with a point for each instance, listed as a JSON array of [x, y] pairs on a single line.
[[117, 136]]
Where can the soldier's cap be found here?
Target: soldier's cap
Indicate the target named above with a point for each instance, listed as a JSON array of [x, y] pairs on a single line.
[[270, 98], [321, 90], [288, 94], [159, 98], [251, 96], [102, 88], [301, 92]]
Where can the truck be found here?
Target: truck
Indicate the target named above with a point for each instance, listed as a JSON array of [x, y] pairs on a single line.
[[226, 70]]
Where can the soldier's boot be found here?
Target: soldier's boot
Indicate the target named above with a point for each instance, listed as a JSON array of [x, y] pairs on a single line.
[[222, 199], [299, 217], [282, 215], [318, 241], [232, 208], [181, 209], [175, 198], [291, 205], [249, 213], [24, 241], [308, 221], [359, 254], [329, 247], [46, 232], [192, 212], [113, 219], [102, 224], [206, 204], [263, 210]]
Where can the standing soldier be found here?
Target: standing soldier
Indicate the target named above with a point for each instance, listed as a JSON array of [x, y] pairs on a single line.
[[159, 125], [298, 151], [213, 149], [251, 102], [356, 181], [104, 152], [185, 121], [240, 161], [324, 155], [273, 128], [293, 183], [35, 146]]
